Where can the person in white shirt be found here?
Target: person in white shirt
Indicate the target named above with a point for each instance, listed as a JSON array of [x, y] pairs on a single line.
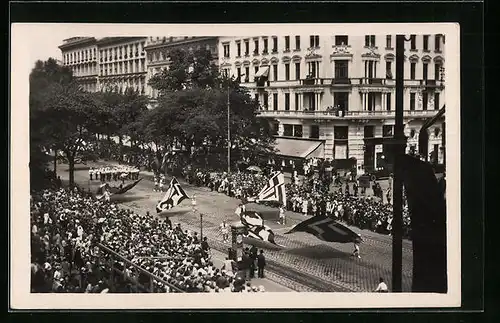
[[282, 219], [382, 286], [225, 231]]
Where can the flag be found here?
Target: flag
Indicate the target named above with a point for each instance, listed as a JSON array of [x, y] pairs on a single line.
[[274, 189], [427, 208], [174, 196], [326, 229], [251, 218], [128, 187], [263, 233]]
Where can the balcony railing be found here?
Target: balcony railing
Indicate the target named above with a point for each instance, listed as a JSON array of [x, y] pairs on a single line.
[[332, 114]]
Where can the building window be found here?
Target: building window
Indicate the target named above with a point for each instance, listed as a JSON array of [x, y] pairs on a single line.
[[341, 100], [387, 130], [266, 101], [287, 101], [388, 101], [371, 101], [297, 101], [388, 42], [426, 43], [256, 69], [388, 70], [412, 70], [247, 47], [314, 132], [265, 50], [369, 40], [275, 101], [341, 40], [287, 43], [370, 69], [297, 71], [425, 71], [287, 71], [340, 132], [425, 100], [275, 72], [288, 130], [412, 101], [314, 41], [437, 70], [313, 68], [238, 49], [341, 69], [256, 47], [275, 44], [369, 131], [247, 74], [437, 43], [413, 42], [297, 131], [297, 42], [436, 101], [238, 71], [226, 50]]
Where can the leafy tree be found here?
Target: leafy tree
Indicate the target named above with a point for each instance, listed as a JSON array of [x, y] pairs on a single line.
[[61, 114], [192, 112]]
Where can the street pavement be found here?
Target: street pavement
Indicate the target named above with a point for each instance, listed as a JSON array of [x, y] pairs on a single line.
[[301, 252]]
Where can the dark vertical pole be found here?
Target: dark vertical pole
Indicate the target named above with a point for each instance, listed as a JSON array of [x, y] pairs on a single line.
[[201, 226], [443, 141], [397, 222]]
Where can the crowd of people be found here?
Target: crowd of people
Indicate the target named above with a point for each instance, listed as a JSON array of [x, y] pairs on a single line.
[[115, 173], [67, 225], [313, 195]]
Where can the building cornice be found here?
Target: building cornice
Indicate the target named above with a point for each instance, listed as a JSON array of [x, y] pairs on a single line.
[[86, 41], [179, 43]]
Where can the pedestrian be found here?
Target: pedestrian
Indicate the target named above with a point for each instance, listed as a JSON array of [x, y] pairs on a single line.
[[382, 286], [91, 172], [253, 259], [225, 231], [282, 219], [261, 264], [388, 195], [205, 247], [355, 253]]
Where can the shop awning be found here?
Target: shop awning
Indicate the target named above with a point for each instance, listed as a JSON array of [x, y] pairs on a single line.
[[300, 148], [263, 71]]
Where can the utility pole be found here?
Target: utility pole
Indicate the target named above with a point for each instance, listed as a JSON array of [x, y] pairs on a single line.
[[399, 139]]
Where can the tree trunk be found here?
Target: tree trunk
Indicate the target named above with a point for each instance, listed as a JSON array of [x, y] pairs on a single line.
[[71, 163], [55, 162], [120, 142]]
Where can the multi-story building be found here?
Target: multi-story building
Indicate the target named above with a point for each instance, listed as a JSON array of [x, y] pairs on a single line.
[[122, 63], [111, 63], [335, 95], [81, 56], [157, 53]]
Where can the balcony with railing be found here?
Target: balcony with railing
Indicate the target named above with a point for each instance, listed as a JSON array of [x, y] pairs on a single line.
[[340, 114]]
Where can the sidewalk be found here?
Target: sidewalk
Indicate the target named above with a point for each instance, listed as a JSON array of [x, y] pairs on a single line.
[[269, 285]]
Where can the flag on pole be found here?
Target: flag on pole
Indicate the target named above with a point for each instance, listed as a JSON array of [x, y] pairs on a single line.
[[263, 233], [326, 229], [251, 218], [274, 189], [174, 196]]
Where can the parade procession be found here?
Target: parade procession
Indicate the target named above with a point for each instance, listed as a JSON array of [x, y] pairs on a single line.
[[190, 180]]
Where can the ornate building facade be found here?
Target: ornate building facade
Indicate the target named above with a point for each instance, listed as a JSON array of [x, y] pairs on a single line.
[[157, 54], [338, 91], [111, 63]]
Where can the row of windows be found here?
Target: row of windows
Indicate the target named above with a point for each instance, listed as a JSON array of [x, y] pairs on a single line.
[[163, 55], [314, 41], [80, 56], [122, 52], [341, 101], [244, 47], [135, 66], [341, 71]]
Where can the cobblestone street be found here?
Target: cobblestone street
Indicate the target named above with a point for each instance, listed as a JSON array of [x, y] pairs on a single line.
[[300, 252]]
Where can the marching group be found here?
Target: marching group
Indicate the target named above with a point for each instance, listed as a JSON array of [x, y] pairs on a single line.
[[66, 227], [115, 173]]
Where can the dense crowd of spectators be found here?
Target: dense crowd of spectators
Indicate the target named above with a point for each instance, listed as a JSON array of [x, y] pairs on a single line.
[[66, 226], [313, 195]]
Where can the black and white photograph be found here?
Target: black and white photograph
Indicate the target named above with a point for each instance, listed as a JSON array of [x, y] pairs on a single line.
[[305, 163]]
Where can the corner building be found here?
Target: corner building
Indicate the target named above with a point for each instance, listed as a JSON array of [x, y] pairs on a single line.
[[337, 92]]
